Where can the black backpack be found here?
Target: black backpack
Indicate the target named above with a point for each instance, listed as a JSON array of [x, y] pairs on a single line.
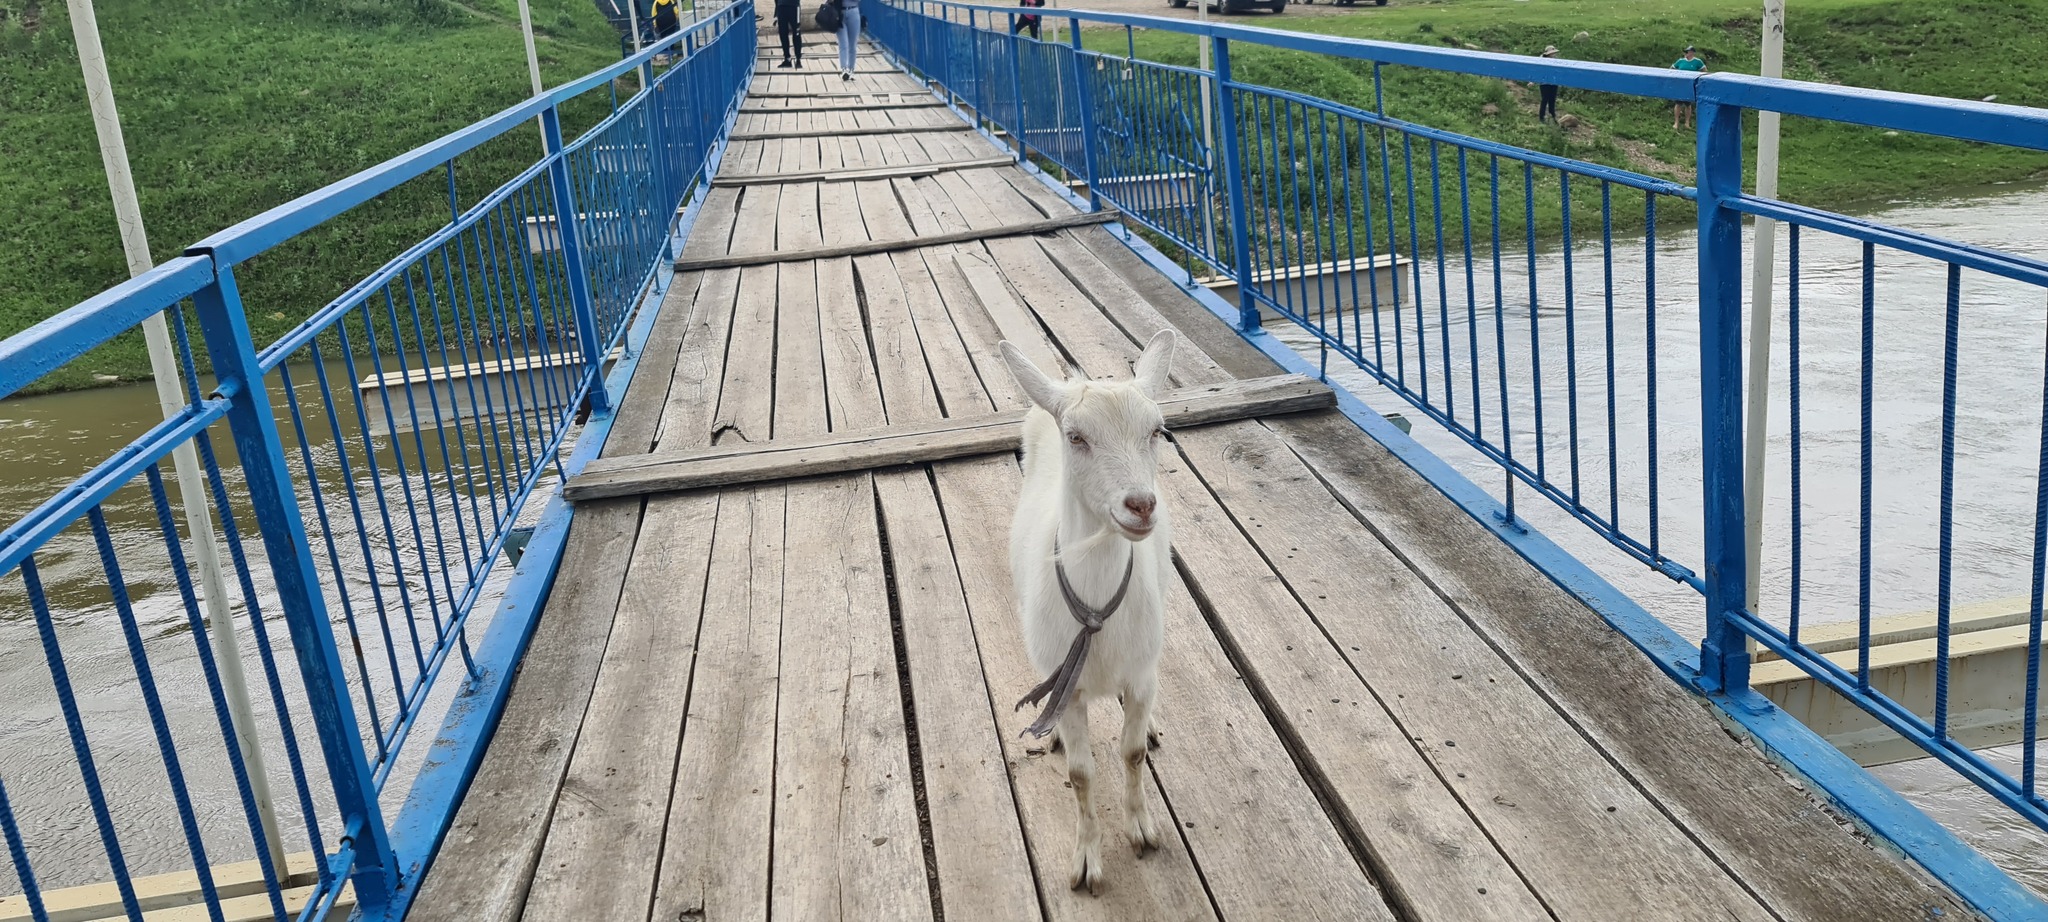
[[829, 16]]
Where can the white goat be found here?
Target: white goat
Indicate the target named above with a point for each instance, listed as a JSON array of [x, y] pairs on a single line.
[[1090, 467]]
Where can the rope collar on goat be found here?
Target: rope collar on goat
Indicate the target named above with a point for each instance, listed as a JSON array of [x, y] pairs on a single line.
[[1060, 685]]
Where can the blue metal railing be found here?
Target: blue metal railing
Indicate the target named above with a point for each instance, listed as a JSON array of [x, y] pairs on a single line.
[[379, 456], [1436, 283]]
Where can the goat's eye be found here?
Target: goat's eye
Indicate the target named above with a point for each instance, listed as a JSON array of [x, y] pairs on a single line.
[[1077, 441]]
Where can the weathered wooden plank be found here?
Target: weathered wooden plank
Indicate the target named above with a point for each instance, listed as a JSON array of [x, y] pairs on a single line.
[[604, 839], [961, 391], [799, 363], [697, 369], [881, 215], [903, 376], [1266, 847], [853, 398], [977, 839], [746, 401], [1011, 317], [1784, 844], [487, 858], [1194, 321], [855, 175], [858, 107], [765, 257], [1434, 859], [1583, 836], [1134, 313], [796, 220], [978, 496], [844, 132], [712, 234], [791, 457], [714, 861], [637, 426]]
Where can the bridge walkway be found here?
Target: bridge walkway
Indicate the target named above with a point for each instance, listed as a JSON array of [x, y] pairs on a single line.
[[792, 698]]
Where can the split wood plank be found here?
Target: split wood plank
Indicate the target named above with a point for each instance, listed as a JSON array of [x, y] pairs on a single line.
[[855, 175], [960, 388], [604, 840], [746, 402], [714, 860], [637, 426], [712, 234], [1584, 837], [1808, 866], [697, 369], [846, 132], [486, 861], [760, 258], [791, 457]]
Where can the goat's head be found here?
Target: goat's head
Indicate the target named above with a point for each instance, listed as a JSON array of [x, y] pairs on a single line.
[[1111, 431]]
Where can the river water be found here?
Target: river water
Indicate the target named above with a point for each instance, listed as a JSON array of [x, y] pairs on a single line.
[[49, 441], [2000, 356]]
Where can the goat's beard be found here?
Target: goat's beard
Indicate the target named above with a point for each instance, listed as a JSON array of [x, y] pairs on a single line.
[[1087, 545]]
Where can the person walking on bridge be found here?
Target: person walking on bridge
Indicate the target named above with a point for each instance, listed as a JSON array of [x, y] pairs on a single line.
[[789, 27], [1026, 22], [1681, 113], [849, 36]]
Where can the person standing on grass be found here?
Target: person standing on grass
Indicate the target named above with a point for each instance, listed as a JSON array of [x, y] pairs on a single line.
[[1548, 107], [1681, 113], [1026, 22], [789, 27], [849, 36]]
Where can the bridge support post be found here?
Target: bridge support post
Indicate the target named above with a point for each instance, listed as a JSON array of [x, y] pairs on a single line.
[[1233, 177], [567, 224], [282, 525], [1724, 653], [1084, 112]]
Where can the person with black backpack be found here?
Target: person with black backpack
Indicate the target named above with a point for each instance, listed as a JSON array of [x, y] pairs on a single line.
[[1026, 22], [789, 25], [666, 19]]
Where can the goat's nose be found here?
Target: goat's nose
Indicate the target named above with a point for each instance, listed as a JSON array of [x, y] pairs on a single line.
[[1141, 505]]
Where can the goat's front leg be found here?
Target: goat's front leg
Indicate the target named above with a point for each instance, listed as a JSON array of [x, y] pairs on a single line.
[[1073, 732], [1138, 824]]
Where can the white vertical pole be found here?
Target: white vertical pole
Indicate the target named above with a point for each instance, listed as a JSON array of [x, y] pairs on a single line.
[[532, 56], [633, 16], [1756, 438], [170, 394]]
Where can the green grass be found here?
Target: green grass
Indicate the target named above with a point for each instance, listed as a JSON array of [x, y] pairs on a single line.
[[233, 106], [1967, 50]]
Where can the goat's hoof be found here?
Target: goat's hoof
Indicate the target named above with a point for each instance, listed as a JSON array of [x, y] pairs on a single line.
[[1144, 839], [1087, 872]]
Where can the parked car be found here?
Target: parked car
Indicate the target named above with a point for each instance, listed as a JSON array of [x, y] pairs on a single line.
[[1237, 6]]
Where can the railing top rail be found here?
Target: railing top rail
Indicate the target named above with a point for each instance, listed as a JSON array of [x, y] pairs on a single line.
[[251, 237], [1969, 120], [51, 343]]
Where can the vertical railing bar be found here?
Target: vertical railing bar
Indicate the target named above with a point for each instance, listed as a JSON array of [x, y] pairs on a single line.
[[1415, 265], [486, 421], [1863, 539], [17, 851], [356, 509], [419, 443], [1443, 283], [1571, 342], [1471, 292], [1798, 541], [412, 510], [1650, 356], [1500, 335], [81, 749], [152, 703], [383, 504], [469, 384], [1535, 323], [348, 616], [1944, 595]]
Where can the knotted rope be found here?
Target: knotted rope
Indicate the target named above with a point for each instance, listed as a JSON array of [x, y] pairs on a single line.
[[1060, 685]]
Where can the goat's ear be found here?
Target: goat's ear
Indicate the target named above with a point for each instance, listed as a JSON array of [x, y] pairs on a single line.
[[1154, 363], [1042, 390]]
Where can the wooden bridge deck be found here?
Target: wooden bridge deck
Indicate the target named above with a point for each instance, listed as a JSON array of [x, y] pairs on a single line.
[[792, 699]]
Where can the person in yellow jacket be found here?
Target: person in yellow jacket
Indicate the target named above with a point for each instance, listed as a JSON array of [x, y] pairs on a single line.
[[667, 19]]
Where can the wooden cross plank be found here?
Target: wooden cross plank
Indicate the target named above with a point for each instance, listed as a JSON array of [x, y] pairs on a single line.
[[959, 437], [762, 258]]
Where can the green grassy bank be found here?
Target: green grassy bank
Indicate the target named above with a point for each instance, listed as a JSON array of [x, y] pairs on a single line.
[[231, 107]]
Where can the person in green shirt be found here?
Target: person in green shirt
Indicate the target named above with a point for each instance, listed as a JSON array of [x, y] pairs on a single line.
[[1681, 113]]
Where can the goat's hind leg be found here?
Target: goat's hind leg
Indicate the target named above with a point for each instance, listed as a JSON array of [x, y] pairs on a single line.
[[1138, 824], [1073, 732]]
